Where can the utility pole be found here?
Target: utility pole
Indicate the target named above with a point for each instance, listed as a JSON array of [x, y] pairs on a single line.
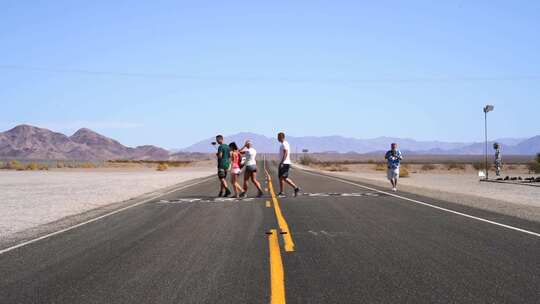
[[487, 108]]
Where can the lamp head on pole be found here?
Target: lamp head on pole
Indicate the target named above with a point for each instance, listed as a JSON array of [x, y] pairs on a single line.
[[488, 108]]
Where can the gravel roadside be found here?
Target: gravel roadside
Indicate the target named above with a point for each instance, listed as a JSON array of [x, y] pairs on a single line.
[[33, 199]]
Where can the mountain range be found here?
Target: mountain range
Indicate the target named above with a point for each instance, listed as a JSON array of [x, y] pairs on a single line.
[[29, 142], [340, 144]]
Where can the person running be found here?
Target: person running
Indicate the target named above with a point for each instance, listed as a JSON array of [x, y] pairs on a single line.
[[393, 157], [251, 168], [223, 160], [285, 166], [236, 159]]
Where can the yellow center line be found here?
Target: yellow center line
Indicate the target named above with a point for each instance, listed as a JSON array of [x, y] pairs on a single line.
[[277, 274], [283, 226]]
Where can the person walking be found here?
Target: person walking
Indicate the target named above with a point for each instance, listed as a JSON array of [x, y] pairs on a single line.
[[251, 168], [285, 166], [393, 158], [236, 164], [223, 164]]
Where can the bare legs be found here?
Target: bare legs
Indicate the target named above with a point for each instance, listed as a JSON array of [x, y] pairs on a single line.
[[223, 184], [237, 188], [288, 181], [250, 175]]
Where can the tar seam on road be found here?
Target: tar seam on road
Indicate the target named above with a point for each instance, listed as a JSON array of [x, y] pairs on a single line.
[[283, 226], [277, 274], [429, 205], [98, 218]]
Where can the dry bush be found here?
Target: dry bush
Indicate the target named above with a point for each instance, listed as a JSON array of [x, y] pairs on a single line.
[[162, 167], [307, 160], [32, 166], [170, 163], [337, 168], [455, 166], [380, 167], [428, 167], [534, 167], [36, 166], [87, 165], [481, 165], [404, 171], [15, 165]]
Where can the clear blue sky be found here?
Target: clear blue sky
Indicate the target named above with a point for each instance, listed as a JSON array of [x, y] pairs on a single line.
[[417, 69]]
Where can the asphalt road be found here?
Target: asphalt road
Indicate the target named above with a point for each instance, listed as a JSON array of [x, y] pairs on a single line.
[[339, 243]]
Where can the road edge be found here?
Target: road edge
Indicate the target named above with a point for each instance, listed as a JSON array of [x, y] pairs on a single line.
[[43, 231]]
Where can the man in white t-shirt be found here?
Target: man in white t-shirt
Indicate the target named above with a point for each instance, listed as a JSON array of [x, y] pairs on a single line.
[[285, 165]]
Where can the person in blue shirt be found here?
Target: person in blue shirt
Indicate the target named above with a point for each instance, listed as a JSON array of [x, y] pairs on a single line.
[[393, 158]]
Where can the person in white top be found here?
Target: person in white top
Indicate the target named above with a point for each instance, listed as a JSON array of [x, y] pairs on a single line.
[[285, 165], [251, 168]]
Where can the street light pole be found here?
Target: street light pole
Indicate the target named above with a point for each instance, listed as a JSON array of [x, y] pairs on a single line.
[[487, 108], [486, 145]]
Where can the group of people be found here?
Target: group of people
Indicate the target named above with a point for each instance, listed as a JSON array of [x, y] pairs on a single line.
[[232, 159]]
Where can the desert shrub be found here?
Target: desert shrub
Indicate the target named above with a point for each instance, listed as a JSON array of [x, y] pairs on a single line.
[[481, 165], [307, 160], [32, 166], [428, 167], [403, 171], [162, 167], [455, 166], [534, 167], [538, 158], [380, 167], [337, 168], [15, 165], [87, 165]]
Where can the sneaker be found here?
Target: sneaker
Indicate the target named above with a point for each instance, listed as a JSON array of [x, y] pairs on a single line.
[[227, 192], [394, 189], [281, 195], [220, 194], [260, 194], [243, 195], [296, 191]]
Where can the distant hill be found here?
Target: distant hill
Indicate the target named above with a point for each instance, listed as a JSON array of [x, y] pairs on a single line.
[[29, 142], [322, 144]]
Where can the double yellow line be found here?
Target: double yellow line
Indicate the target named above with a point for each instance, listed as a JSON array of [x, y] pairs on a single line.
[[283, 226], [277, 273]]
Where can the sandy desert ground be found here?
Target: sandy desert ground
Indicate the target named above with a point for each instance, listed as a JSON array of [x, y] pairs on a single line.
[[33, 198]]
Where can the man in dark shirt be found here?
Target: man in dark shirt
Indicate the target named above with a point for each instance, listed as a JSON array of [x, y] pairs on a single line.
[[223, 163]]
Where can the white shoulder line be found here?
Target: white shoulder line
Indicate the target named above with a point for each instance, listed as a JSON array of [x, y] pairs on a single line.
[[98, 218], [428, 205]]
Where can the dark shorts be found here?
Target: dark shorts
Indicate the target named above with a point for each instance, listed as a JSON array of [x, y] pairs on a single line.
[[251, 168], [222, 173], [284, 170]]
